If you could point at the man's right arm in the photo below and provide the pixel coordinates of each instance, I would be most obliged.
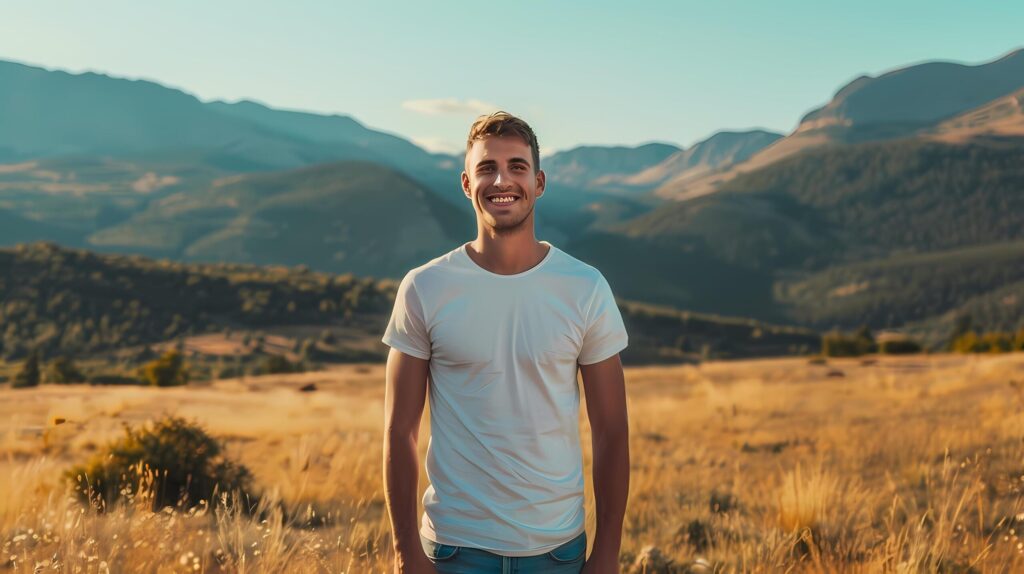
(404, 397)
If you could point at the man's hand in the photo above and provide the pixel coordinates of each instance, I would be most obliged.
(605, 389)
(414, 563)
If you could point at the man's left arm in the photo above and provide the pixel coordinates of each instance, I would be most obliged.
(604, 386)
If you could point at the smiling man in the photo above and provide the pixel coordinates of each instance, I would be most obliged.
(494, 333)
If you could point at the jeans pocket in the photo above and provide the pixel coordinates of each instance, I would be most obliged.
(572, 551)
(438, 552)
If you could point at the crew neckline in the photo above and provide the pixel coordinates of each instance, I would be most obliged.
(465, 253)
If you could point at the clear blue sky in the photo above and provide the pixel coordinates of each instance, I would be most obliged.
(586, 72)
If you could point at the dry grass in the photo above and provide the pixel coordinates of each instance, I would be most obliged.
(900, 465)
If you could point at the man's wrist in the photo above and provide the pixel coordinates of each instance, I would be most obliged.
(408, 544)
(604, 552)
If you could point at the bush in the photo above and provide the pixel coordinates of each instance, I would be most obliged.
(997, 342)
(836, 344)
(173, 460)
(29, 374)
(115, 379)
(167, 371)
(277, 364)
(971, 342)
(899, 347)
(64, 371)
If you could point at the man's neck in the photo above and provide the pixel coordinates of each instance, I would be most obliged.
(507, 254)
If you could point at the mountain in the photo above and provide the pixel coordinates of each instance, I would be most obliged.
(332, 130)
(54, 113)
(881, 232)
(588, 167)
(905, 102)
(722, 148)
(351, 217)
(1001, 117)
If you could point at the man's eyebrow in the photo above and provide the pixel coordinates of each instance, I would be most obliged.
(486, 163)
(519, 160)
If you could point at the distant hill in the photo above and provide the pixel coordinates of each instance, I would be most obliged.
(722, 148)
(79, 303)
(73, 301)
(589, 166)
(1001, 117)
(907, 101)
(54, 113)
(883, 233)
(352, 217)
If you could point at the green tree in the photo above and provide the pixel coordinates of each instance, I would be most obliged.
(29, 374)
(63, 371)
(167, 371)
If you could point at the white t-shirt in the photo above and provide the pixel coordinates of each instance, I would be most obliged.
(504, 459)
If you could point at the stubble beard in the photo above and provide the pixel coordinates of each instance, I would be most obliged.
(505, 229)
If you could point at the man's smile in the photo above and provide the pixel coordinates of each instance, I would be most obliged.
(502, 199)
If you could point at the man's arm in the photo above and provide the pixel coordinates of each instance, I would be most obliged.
(404, 397)
(605, 388)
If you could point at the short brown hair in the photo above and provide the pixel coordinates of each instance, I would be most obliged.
(503, 124)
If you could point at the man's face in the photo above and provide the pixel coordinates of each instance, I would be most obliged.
(501, 182)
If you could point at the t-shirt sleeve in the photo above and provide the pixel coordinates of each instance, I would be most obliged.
(605, 333)
(407, 331)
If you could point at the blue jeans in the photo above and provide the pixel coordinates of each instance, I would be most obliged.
(567, 558)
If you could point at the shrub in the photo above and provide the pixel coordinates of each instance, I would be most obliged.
(836, 344)
(966, 343)
(115, 379)
(277, 364)
(167, 371)
(997, 342)
(173, 460)
(971, 342)
(899, 347)
(29, 374)
(64, 371)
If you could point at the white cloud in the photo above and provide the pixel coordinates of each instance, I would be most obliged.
(441, 106)
(438, 145)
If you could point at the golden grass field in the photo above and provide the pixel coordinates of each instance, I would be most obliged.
(888, 464)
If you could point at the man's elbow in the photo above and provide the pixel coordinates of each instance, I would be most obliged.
(611, 432)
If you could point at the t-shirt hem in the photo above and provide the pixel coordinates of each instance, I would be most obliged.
(433, 537)
(405, 349)
(604, 356)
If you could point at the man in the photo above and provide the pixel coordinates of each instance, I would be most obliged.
(499, 326)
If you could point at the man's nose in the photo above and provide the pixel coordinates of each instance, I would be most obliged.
(502, 181)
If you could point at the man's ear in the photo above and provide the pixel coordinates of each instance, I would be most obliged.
(541, 182)
(465, 185)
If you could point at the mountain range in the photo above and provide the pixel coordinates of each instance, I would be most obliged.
(897, 203)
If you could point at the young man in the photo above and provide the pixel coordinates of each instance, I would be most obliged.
(499, 326)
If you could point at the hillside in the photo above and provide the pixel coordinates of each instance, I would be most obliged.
(591, 167)
(54, 113)
(907, 101)
(79, 303)
(331, 217)
(785, 236)
(721, 149)
(74, 301)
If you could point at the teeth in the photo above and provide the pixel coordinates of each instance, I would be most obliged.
(502, 199)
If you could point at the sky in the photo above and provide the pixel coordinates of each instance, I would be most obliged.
(580, 72)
